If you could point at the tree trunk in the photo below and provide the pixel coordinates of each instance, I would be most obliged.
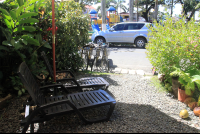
(103, 12)
(193, 11)
(172, 8)
(131, 10)
(156, 10)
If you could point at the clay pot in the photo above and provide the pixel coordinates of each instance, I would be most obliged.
(196, 111)
(181, 95)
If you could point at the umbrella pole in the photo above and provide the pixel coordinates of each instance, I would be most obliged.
(53, 41)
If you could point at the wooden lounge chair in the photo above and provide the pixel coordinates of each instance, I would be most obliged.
(48, 107)
(86, 82)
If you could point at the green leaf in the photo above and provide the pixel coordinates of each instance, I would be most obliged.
(187, 91)
(7, 23)
(20, 2)
(5, 12)
(26, 15)
(24, 41)
(13, 15)
(32, 1)
(12, 42)
(25, 37)
(7, 17)
(19, 92)
(195, 77)
(6, 43)
(18, 45)
(29, 20)
(25, 28)
(13, 5)
(47, 45)
(4, 48)
(33, 41)
(16, 88)
(30, 8)
(18, 12)
(23, 90)
(12, 23)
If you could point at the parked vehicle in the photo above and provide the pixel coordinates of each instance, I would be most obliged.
(125, 32)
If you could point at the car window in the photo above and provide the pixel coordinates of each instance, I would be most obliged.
(140, 26)
(118, 27)
(134, 26)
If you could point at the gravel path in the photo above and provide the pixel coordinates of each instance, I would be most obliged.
(140, 108)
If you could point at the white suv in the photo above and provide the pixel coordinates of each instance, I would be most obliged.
(125, 32)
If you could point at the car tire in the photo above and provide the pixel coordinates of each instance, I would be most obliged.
(140, 42)
(100, 40)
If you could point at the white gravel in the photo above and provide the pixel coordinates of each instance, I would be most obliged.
(140, 108)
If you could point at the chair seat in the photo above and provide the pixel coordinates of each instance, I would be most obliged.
(88, 82)
(82, 100)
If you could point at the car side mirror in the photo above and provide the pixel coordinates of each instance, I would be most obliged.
(111, 29)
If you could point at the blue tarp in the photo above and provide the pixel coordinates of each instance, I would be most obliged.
(93, 11)
(111, 8)
(95, 27)
(107, 27)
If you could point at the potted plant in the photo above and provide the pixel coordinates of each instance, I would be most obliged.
(188, 80)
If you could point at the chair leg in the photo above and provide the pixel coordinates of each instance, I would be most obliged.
(29, 119)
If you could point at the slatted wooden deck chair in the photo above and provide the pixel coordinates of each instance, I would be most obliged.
(48, 107)
(86, 82)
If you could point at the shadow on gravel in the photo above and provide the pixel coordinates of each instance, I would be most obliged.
(126, 118)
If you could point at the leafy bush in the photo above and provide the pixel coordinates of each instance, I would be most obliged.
(72, 34)
(187, 79)
(174, 43)
(22, 41)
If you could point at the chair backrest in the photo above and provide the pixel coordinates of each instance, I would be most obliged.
(46, 61)
(30, 84)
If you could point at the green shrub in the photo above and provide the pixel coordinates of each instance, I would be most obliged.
(72, 34)
(21, 40)
(174, 43)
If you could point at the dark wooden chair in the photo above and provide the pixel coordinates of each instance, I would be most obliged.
(86, 82)
(49, 107)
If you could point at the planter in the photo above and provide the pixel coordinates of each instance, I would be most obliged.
(181, 95)
(175, 86)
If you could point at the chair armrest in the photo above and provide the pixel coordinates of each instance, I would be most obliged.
(52, 86)
(63, 71)
(58, 103)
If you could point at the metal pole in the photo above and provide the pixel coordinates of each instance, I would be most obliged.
(103, 12)
(53, 40)
(131, 10)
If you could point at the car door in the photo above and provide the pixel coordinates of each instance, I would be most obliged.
(116, 35)
(130, 32)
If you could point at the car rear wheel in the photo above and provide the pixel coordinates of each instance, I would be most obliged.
(100, 40)
(140, 42)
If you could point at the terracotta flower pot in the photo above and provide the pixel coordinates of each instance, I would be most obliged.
(181, 95)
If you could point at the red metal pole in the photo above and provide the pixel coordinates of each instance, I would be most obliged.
(53, 40)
